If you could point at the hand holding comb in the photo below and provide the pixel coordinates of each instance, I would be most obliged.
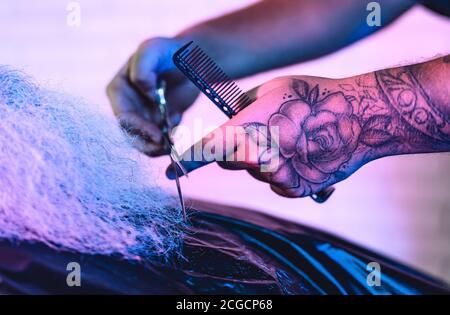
(198, 67)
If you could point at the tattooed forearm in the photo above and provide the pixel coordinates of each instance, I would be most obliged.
(396, 109)
(330, 128)
(421, 117)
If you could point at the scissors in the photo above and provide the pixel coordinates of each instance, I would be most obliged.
(168, 143)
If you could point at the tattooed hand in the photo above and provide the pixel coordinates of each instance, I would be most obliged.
(313, 132)
(317, 135)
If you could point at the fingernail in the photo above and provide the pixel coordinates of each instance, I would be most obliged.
(175, 119)
(170, 172)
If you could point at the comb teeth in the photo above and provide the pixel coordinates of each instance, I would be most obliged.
(210, 79)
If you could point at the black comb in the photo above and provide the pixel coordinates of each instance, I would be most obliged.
(210, 79)
(220, 89)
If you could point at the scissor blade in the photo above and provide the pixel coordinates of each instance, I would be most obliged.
(176, 157)
(180, 193)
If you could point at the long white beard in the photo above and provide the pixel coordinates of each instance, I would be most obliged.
(70, 178)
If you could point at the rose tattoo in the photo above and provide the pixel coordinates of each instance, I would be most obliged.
(317, 136)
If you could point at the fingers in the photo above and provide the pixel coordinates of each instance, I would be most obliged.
(233, 147)
(228, 145)
(237, 144)
(132, 95)
(135, 113)
(135, 125)
(196, 157)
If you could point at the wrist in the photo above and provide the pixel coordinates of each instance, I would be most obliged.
(378, 124)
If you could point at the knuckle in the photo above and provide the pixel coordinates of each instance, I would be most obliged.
(111, 88)
(144, 45)
(141, 80)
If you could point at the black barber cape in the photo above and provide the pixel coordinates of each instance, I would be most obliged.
(227, 251)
